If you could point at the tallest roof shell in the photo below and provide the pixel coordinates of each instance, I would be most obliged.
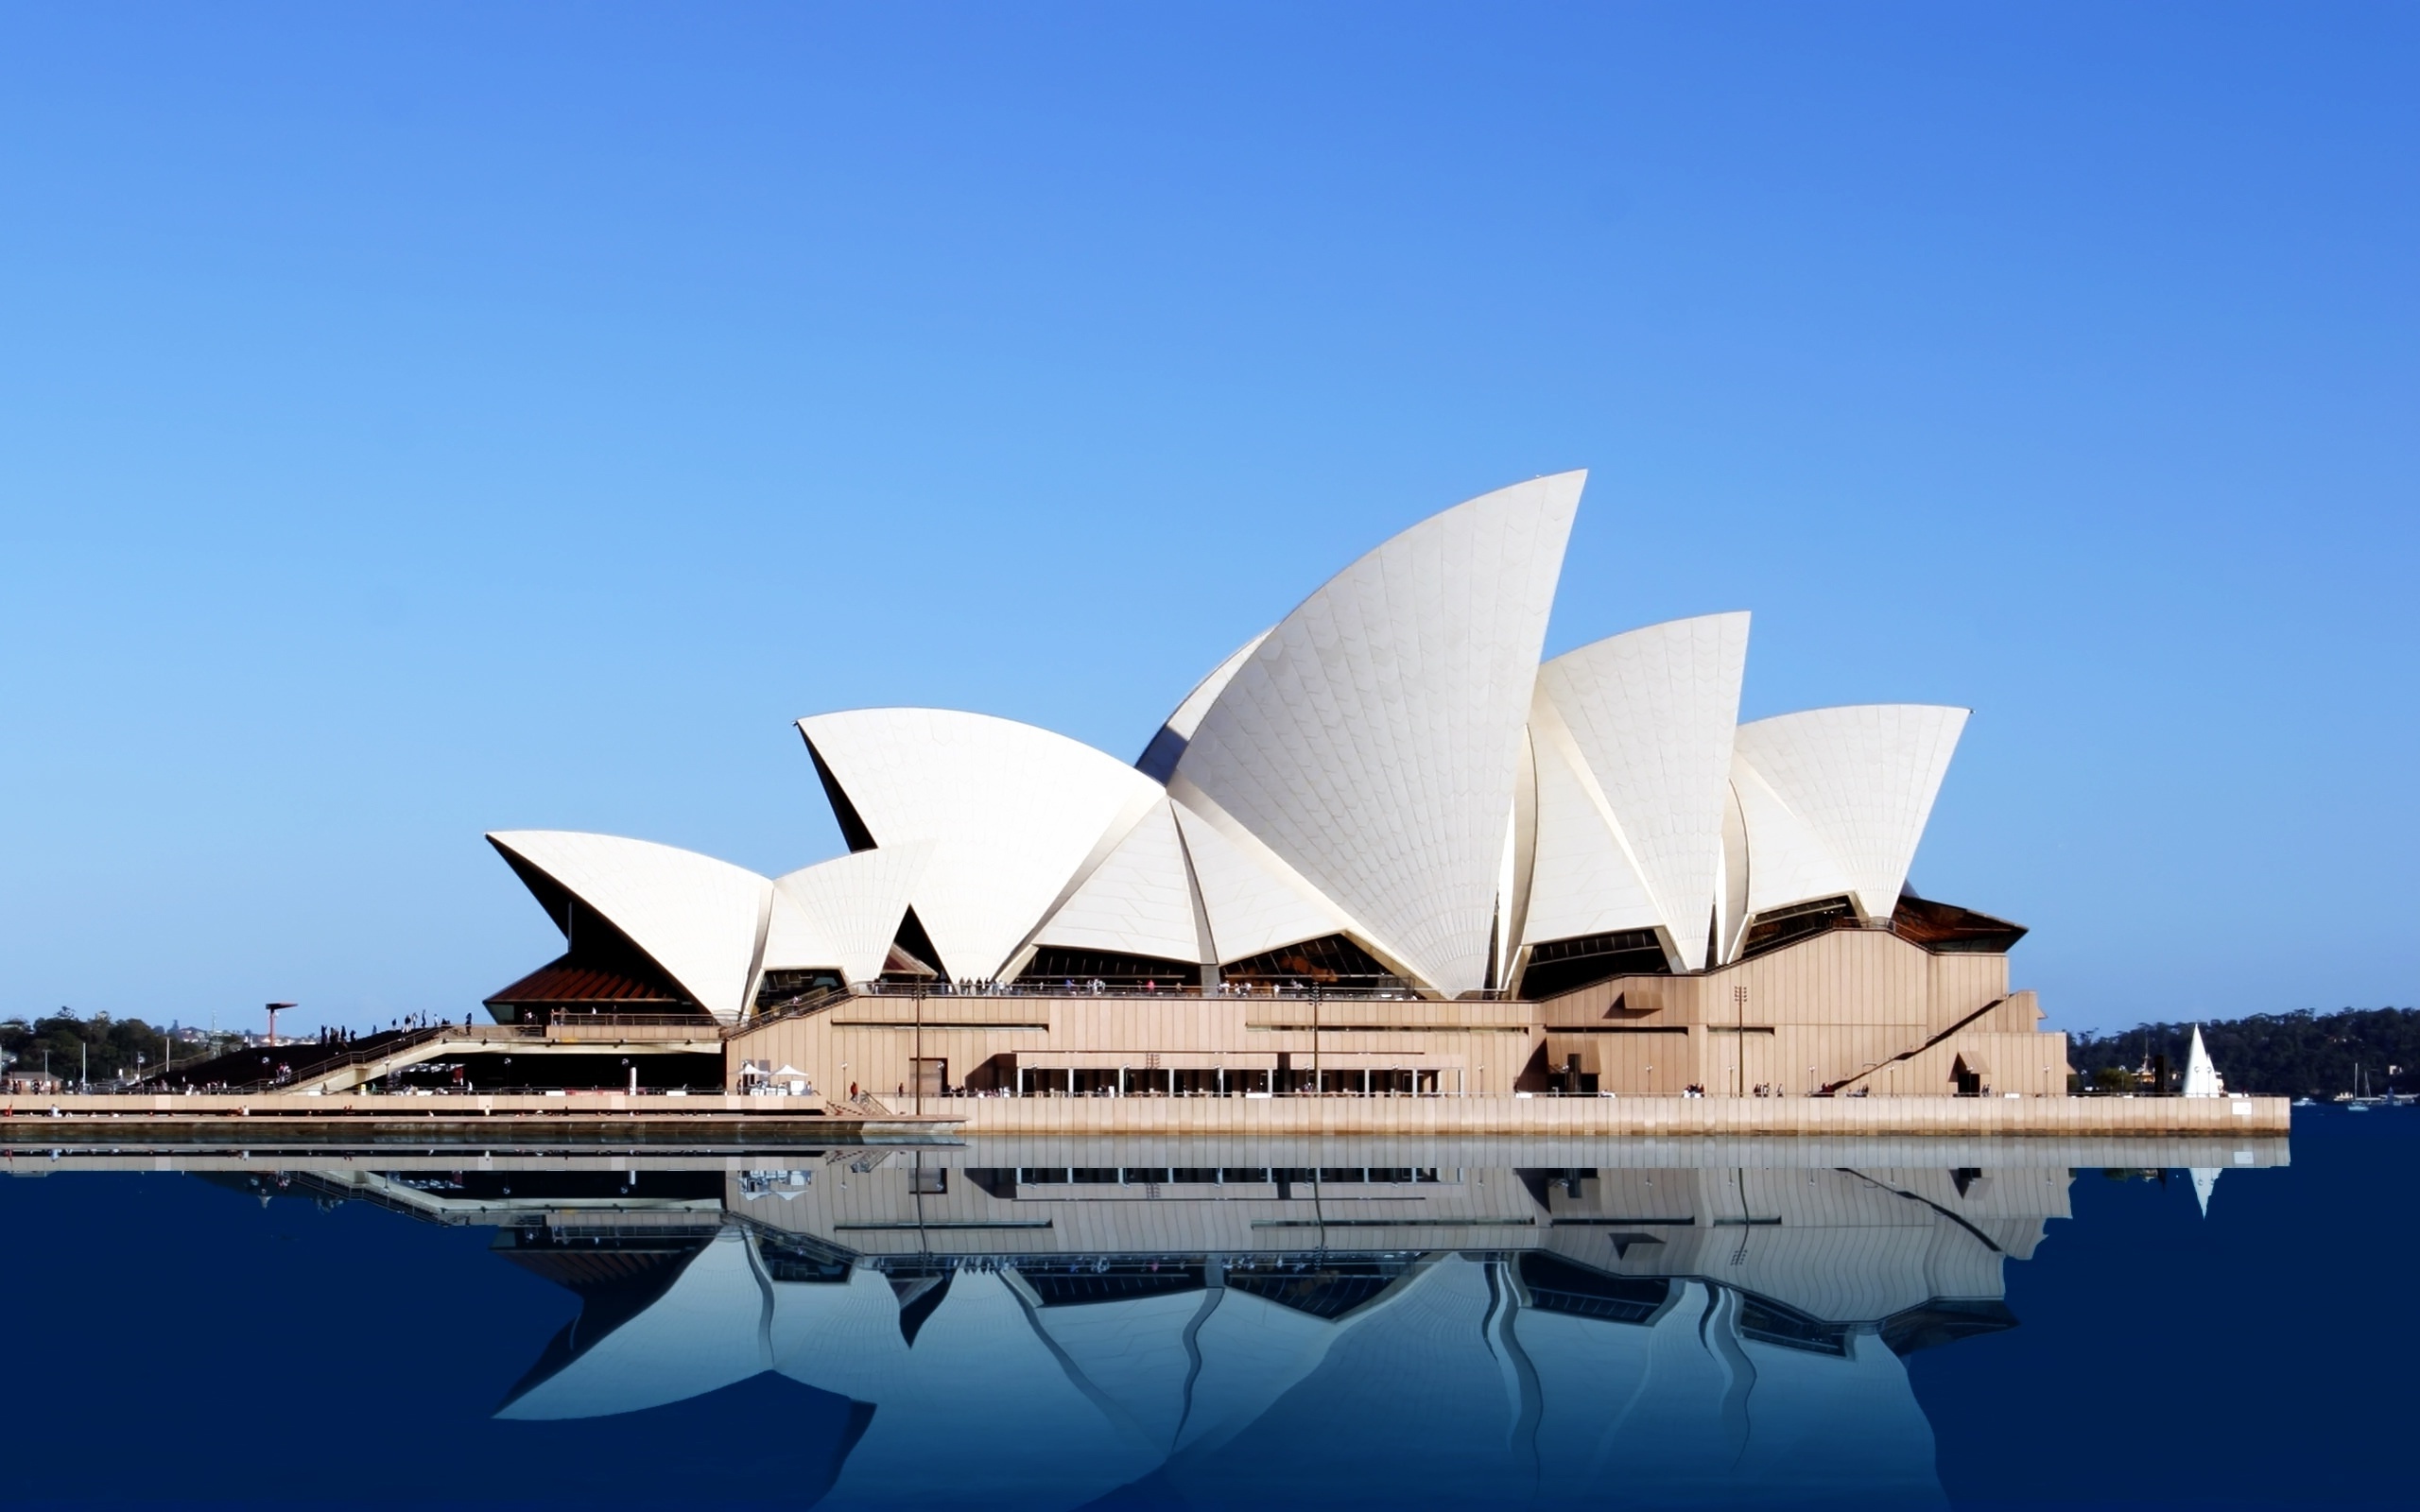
(1371, 740)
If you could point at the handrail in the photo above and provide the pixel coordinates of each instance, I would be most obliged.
(814, 999)
(559, 1019)
(333, 1059)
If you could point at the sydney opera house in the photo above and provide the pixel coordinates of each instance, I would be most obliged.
(1381, 848)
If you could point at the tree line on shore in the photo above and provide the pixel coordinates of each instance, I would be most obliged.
(2302, 1054)
(100, 1047)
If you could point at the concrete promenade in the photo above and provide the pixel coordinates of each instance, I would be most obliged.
(619, 1118)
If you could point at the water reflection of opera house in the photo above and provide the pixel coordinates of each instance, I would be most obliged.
(1052, 1322)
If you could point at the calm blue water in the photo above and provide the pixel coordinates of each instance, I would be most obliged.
(1095, 1325)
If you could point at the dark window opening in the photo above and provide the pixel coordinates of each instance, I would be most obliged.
(1079, 1284)
(1324, 1290)
(912, 957)
(1770, 1322)
(534, 1068)
(1159, 759)
(1556, 1285)
(1330, 961)
(1054, 964)
(1944, 1322)
(919, 1297)
(844, 814)
(600, 971)
(801, 1260)
(1561, 965)
(779, 989)
(1777, 927)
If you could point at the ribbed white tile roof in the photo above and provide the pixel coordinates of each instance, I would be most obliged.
(1188, 717)
(845, 911)
(1862, 779)
(1139, 902)
(1583, 881)
(1787, 864)
(1012, 813)
(1250, 902)
(1651, 711)
(1389, 762)
(697, 917)
(1370, 741)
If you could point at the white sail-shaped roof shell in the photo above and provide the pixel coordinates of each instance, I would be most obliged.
(697, 917)
(1370, 741)
(1787, 864)
(1651, 711)
(845, 911)
(1159, 758)
(1250, 899)
(1582, 878)
(1014, 813)
(1139, 902)
(1862, 780)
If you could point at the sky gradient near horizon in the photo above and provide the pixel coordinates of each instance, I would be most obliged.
(423, 420)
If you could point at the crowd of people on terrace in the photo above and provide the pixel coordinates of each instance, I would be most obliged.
(968, 986)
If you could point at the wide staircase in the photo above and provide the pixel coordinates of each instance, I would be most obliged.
(312, 1066)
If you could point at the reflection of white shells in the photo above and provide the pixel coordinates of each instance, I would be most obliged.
(1447, 1384)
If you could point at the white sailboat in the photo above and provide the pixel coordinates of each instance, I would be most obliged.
(2202, 1078)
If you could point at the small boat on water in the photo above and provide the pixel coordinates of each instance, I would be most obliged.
(2359, 1101)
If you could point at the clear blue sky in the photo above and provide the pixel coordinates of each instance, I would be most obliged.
(422, 419)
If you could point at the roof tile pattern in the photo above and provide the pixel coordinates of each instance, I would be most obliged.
(1787, 864)
(1251, 906)
(694, 917)
(845, 911)
(1581, 880)
(1651, 711)
(1862, 779)
(1370, 741)
(1012, 813)
(1139, 902)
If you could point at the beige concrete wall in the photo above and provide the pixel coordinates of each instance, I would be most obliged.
(1814, 1014)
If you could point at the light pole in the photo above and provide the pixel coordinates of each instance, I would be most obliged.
(274, 1009)
(1319, 1084)
(1739, 1039)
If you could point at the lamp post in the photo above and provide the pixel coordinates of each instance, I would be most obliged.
(274, 1009)
(1739, 1041)
(1318, 1082)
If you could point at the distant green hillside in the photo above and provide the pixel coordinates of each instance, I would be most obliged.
(2293, 1055)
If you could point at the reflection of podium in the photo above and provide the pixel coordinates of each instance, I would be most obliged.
(1707, 1321)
